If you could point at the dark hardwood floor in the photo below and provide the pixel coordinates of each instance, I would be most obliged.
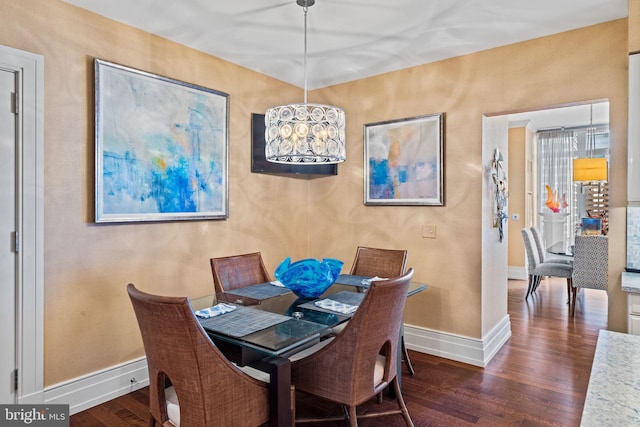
(538, 378)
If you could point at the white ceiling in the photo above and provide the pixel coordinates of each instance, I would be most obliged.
(351, 39)
(567, 117)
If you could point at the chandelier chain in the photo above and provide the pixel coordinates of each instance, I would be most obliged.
(306, 9)
(591, 134)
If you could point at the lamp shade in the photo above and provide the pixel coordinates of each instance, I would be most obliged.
(590, 169)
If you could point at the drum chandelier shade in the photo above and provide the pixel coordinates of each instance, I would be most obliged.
(305, 133)
(590, 168)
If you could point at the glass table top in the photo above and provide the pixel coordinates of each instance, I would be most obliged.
(301, 323)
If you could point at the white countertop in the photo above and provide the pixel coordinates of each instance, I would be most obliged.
(613, 395)
(631, 282)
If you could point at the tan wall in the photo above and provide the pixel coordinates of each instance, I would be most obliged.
(634, 26)
(517, 193)
(89, 324)
(576, 66)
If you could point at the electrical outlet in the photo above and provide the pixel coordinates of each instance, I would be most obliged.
(429, 231)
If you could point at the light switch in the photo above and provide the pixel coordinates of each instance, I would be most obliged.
(429, 231)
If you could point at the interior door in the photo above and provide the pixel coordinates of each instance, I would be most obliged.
(8, 228)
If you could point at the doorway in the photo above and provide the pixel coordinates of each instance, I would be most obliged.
(8, 255)
(527, 183)
(21, 225)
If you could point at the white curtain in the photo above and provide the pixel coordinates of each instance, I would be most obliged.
(556, 192)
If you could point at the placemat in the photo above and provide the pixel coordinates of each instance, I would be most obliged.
(288, 333)
(345, 297)
(260, 291)
(351, 279)
(242, 321)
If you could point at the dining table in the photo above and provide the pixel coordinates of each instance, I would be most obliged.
(268, 324)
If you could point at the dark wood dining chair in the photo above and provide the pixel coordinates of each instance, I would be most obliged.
(361, 361)
(205, 388)
(238, 271)
(383, 263)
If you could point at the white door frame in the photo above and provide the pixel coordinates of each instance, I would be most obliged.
(29, 68)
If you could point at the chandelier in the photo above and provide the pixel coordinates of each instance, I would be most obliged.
(305, 133)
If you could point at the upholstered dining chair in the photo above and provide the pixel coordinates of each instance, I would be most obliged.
(361, 361)
(590, 265)
(536, 269)
(238, 271)
(383, 263)
(542, 251)
(205, 388)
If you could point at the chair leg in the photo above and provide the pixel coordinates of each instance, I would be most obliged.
(529, 286)
(152, 421)
(293, 405)
(573, 303)
(405, 355)
(537, 281)
(401, 404)
(353, 418)
(345, 412)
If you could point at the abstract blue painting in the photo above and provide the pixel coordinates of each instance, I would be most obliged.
(404, 161)
(161, 147)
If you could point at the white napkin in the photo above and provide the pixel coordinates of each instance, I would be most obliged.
(336, 306)
(367, 282)
(216, 310)
(277, 283)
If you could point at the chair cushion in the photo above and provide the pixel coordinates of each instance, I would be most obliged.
(255, 373)
(338, 328)
(310, 350)
(559, 259)
(553, 269)
(173, 408)
(378, 371)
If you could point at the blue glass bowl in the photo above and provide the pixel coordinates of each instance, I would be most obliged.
(308, 278)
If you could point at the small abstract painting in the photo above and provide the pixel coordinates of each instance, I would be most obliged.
(161, 147)
(404, 161)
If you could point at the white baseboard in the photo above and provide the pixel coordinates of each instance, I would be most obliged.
(477, 352)
(517, 273)
(99, 387)
(35, 398)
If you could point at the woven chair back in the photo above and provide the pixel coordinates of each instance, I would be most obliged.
(343, 370)
(210, 390)
(238, 271)
(386, 263)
